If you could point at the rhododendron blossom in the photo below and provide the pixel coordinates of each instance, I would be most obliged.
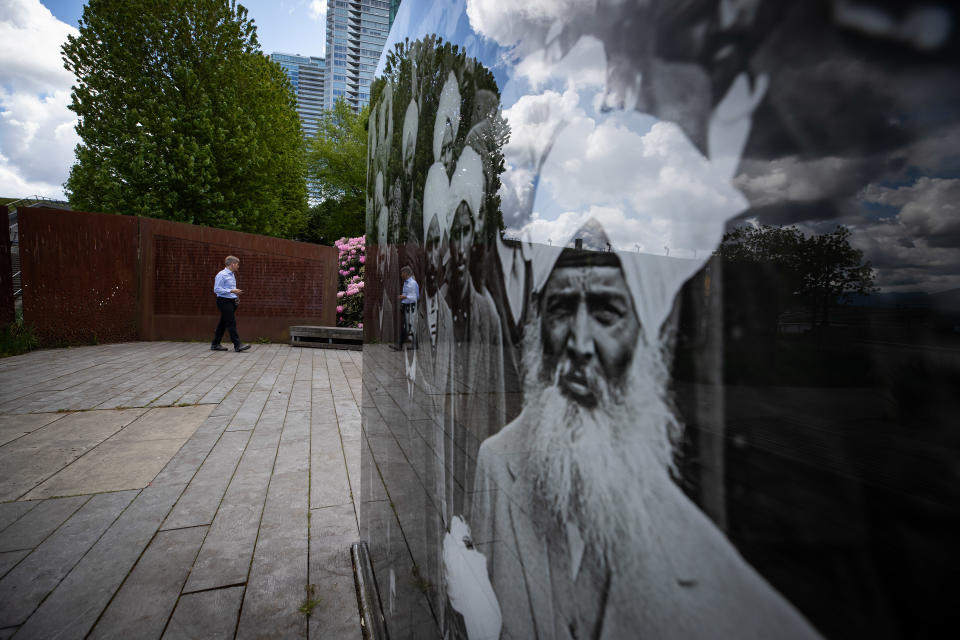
(350, 283)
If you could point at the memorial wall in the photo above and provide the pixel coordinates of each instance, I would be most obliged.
(684, 356)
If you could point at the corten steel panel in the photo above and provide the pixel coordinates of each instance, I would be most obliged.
(79, 275)
(284, 282)
(6, 273)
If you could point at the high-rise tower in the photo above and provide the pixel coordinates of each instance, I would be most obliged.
(306, 74)
(356, 33)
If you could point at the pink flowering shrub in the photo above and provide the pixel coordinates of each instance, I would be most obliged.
(350, 288)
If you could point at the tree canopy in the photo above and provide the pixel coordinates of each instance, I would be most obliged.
(337, 173)
(182, 118)
(818, 271)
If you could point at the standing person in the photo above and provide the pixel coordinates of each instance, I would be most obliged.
(225, 288)
(408, 305)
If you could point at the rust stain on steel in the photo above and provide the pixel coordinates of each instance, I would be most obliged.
(114, 278)
(6, 273)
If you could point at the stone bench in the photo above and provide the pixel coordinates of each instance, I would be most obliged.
(327, 337)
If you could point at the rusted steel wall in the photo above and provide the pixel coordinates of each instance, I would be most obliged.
(91, 276)
(284, 283)
(79, 275)
(6, 273)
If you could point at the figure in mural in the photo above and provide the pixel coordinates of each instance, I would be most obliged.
(408, 308)
(477, 355)
(585, 532)
(225, 288)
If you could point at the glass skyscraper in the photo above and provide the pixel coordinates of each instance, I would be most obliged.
(356, 33)
(306, 74)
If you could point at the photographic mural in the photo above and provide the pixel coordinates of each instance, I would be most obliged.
(686, 348)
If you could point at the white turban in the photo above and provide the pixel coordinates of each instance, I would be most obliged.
(448, 110)
(653, 280)
(466, 185)
(410, 124)
(436, 192)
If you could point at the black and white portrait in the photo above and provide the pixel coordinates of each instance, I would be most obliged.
(645, 399)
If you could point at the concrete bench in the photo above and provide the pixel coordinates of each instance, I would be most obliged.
(327, 337)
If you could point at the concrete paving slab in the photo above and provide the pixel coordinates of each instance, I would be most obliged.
(74, 606)
(225, 556)
(148, 596)
(202, 497)
(10, 512)
(28, 461)
(332, 531)
(279, 574)
(232, 401)
(279, 571)
(184, 465)
(172, 423)
(40, 522)
(249, 412)
(13, 427)
(129, 459)
(9, 559)
(23, 588)
(331, 486)
(211, 615)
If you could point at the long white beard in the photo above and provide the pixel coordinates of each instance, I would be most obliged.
(600, 468)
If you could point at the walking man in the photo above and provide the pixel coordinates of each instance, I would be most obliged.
(408, 306)
(225, 288)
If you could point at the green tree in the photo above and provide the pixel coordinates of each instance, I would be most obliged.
(337, 174)
(819, 271)
(182, 118)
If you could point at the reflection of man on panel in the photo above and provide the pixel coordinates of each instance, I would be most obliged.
(585, 533)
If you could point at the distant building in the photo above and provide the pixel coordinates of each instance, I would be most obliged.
(356, 33)
(306, 74)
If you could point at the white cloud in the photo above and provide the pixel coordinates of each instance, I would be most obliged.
(643, 180)
(30, 41)
(916, 248)
(509, 22)
(318, 10)
(583, 67)
(929, 208)
(36, 128)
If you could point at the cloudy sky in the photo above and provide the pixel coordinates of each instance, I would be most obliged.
(37, 138)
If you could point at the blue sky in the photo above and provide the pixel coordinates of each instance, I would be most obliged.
(290, 26)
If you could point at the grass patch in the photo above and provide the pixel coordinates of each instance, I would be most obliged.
(263, 340)
(310, 602)
(16, 338)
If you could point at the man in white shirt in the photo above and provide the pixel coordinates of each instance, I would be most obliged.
(225, 288)
(408, 305)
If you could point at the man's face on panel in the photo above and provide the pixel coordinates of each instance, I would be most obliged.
(589, 330)
(461, 240)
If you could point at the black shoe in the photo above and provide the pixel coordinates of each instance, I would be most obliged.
(241, 347)
(218, 347)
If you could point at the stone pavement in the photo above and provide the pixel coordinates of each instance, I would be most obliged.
(162, 490)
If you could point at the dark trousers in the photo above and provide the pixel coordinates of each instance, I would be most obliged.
(408, 314)
(228, 321)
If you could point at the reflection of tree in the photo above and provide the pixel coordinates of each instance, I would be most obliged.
(817, 271)
(336, 163)
(417, 71)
